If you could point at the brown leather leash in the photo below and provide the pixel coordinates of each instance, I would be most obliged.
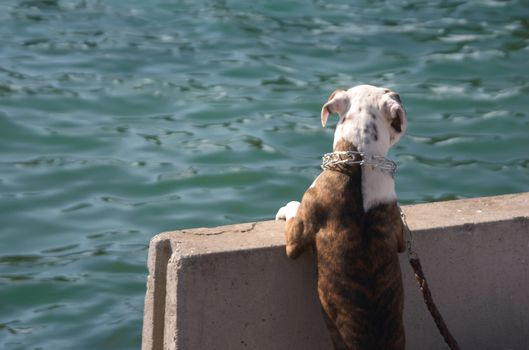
(425, 289)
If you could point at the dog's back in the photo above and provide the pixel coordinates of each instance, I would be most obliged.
(359, 278)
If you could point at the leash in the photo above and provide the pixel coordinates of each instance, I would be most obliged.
(425, 289)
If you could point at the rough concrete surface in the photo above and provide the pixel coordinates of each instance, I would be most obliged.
(232, 287)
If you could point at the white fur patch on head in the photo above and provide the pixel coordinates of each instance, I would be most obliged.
(374, 121)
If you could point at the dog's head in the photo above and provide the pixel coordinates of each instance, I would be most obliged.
(371, 118)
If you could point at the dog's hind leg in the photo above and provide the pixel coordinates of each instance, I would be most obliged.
(336, 337)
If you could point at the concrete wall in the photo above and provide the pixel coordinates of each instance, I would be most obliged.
(232, 287)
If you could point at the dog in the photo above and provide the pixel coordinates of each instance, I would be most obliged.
(352, 220)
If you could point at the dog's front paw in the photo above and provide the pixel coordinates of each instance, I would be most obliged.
(281, 214)
(288, 211)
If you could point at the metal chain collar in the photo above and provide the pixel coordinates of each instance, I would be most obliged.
(340, 161)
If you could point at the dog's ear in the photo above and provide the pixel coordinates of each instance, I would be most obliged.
(398, 119)
(397, 116)
(338, 102)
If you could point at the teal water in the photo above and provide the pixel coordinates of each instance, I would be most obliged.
(122, 119)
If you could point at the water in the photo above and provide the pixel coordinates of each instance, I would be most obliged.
(122, 119)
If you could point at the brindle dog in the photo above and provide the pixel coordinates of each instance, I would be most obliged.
(353, 222)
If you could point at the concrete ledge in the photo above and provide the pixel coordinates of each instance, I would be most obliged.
(232, 287)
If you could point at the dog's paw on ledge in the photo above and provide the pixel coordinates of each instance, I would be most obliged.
(288, 211)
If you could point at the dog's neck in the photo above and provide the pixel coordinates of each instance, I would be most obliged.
(378, 186)
(352, 168)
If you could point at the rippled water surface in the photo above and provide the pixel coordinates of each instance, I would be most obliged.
(121, 119)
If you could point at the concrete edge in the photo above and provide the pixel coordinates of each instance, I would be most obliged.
(172, 250)
(154, 310)
(420, 217)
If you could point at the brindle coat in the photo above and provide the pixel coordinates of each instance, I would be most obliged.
(359, 277)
